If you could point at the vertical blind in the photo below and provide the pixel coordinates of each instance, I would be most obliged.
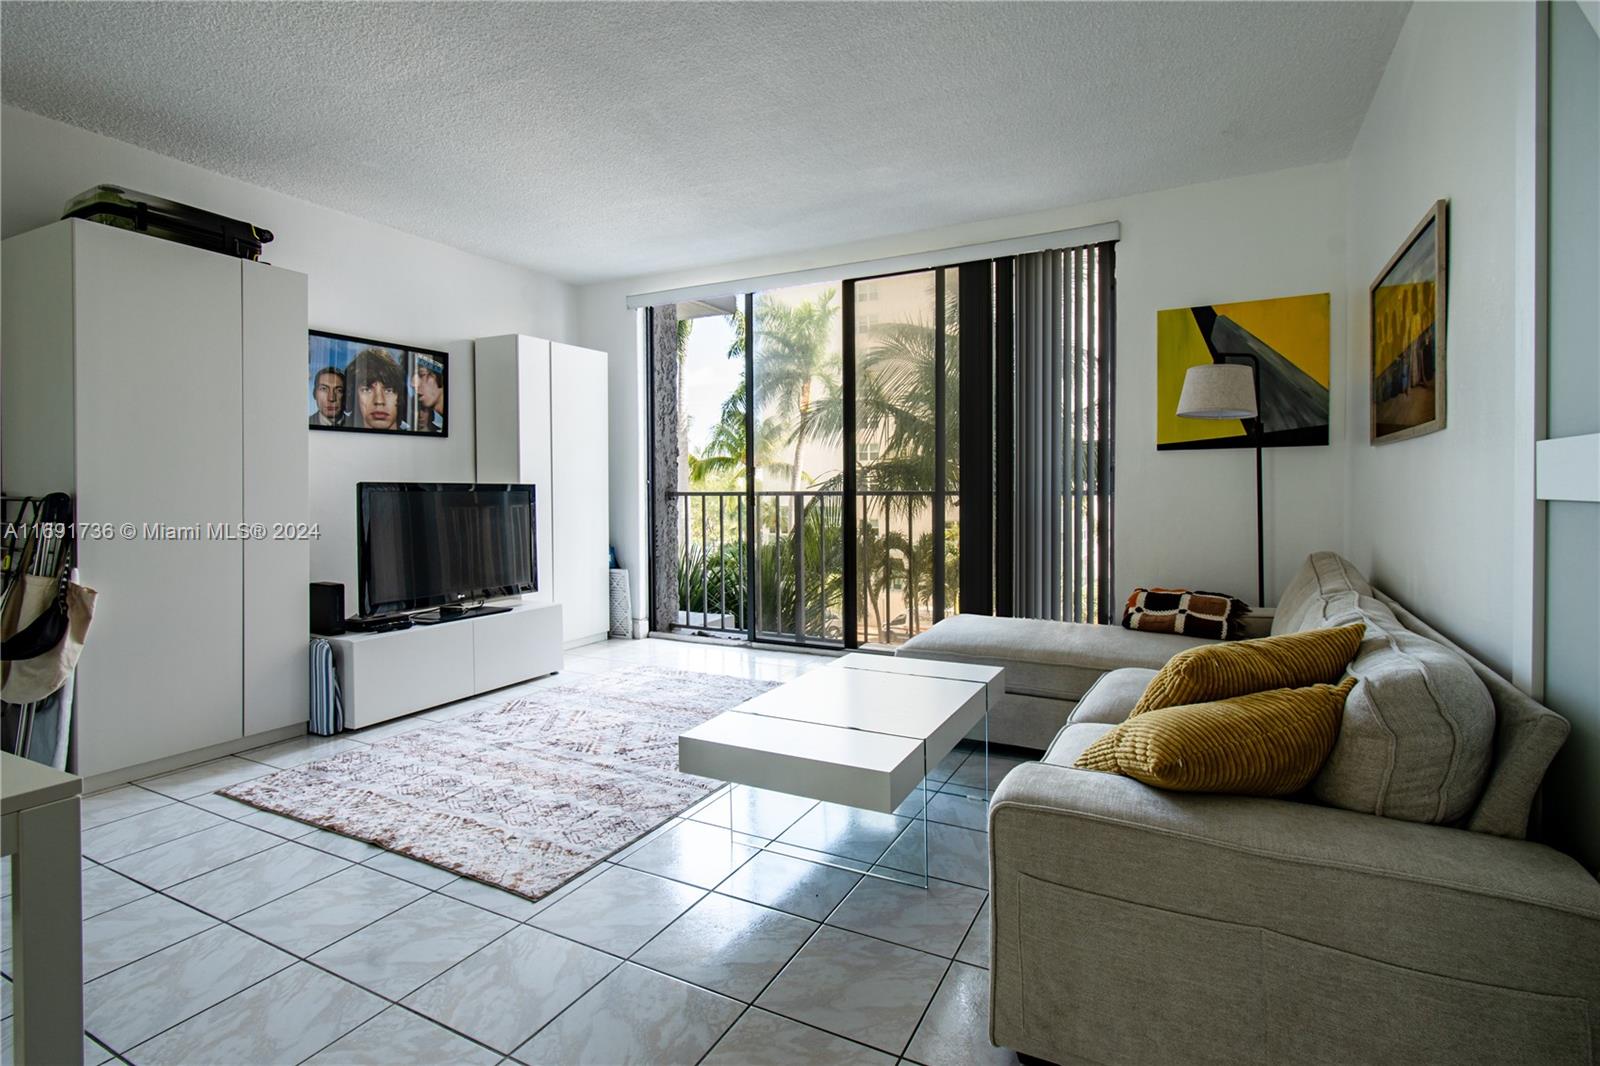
(1063, 406)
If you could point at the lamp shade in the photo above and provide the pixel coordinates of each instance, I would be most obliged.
(1218, 390)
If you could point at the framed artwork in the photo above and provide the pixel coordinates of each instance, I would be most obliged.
(1408, 319)
(1290, 339)
(358, 385)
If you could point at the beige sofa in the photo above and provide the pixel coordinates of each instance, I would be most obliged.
(1395, 913)
(1049, 665)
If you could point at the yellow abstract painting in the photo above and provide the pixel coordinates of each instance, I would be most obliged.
(1289, 339)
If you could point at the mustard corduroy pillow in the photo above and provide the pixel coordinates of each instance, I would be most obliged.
(1223, 671)
(1264, 744)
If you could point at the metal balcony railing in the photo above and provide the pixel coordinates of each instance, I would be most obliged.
(778, 574)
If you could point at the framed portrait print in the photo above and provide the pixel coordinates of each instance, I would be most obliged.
(359, 385)
(1408, 333)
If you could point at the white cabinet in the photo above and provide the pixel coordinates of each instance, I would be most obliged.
(161, 386)
(511, 377)
(542, 420)
(276, 490)
(386, 675)
(580, 471)
(512, 647)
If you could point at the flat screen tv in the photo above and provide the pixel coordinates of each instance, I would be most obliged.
(421, 545)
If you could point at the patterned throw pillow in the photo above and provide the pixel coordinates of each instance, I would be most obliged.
(1194, 614)
(1224, 671)
(1264, 744)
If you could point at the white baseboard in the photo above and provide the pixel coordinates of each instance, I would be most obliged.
(112, 778)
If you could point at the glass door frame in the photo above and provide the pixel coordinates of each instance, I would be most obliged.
(752, 584)
(980, 361)
(980, 358)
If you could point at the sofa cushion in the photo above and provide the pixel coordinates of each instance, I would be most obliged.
(1327, 585)
(1417, 731)
(1113, 697)
(1073, 741)
(1222, 671)
(1527, 736)
(1059, 660)
(1263, 744)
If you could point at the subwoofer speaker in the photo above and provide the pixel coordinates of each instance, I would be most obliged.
(327, 608)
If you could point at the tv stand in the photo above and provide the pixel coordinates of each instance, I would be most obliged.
(450, 613)
(386, 675)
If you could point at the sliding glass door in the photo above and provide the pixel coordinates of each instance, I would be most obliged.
(906, 485)
(847, 464)
(797, 465)
(810, 504)
(701, 517)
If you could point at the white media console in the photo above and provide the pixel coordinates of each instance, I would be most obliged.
(386, 675)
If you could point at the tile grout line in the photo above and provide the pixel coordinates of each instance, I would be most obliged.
(229, 923)
(172, 801)
(824, 923)
(400, 1001)
(618, 860)
(321, 967)
(395, 1002)
(640, 845)
(939, 985)
(820, 926)
(787, 963)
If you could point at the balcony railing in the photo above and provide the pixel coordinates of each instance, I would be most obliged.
(794, 543)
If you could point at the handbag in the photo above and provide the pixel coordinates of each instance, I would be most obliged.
(43, 622)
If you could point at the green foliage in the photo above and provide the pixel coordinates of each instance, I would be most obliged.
(801, 397)
(703, 575)
(702, 572)
(820, 547)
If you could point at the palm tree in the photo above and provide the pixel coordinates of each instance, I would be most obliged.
(876, 570)
(822, 588)
(919, 577)
(794, 361)
(896, 403)
(799, 387)
(721, 463)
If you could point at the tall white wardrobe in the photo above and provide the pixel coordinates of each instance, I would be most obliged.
(164, 386)
(542, 420)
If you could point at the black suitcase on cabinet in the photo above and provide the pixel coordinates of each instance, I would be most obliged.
(168, 220)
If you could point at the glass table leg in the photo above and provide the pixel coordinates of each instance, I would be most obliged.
(927, 871)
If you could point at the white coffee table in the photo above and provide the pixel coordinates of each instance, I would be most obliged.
(863, 732)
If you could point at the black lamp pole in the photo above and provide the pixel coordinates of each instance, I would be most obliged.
(1257, 434)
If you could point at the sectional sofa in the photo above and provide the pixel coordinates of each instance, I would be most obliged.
(1050, 666)
(1393, 913)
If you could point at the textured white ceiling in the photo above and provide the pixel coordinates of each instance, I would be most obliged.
(599, 140)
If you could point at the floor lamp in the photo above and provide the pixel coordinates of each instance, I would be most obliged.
(1226, 391)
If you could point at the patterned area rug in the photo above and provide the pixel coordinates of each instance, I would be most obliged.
(525, 796)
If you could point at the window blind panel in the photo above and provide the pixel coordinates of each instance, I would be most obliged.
(1062, 527)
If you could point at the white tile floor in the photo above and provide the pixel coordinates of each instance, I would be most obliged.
(216, 933)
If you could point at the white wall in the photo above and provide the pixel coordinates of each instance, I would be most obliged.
(604, 323)
(364, 279)
(1434, 520)
(1183, 518)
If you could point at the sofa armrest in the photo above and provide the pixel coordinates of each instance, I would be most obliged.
(1258, 623)
(1111, 891)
